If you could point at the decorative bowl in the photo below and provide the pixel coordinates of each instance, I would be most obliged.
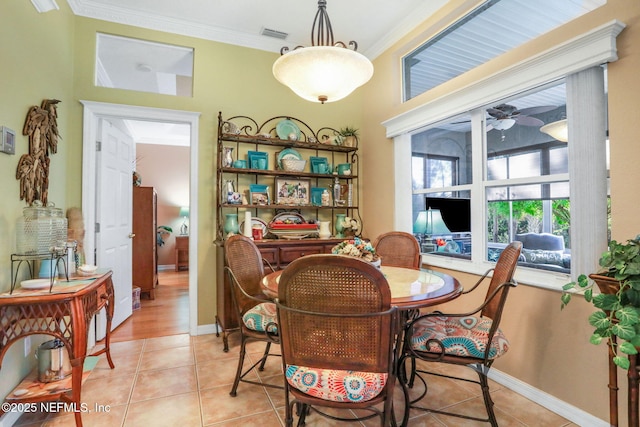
(293, 165)
(86, 269)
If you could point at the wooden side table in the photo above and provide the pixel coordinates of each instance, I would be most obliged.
(182, 252)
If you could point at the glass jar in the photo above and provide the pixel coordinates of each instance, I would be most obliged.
(32, 230)
(58, 227)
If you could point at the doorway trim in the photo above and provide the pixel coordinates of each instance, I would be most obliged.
(93, 111)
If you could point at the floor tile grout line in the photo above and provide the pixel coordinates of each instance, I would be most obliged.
(133, 386)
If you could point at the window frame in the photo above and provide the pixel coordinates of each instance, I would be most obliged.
(590, 49)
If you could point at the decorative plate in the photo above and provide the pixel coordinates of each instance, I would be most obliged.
(288, 153)
(286, 127)
(254, 221)
(36, 283)
(295, 218)
(294, 236)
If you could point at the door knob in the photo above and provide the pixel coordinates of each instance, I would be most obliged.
(132, 235)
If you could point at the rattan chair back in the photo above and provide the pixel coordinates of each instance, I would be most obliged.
(502, 273)
(245, 262)
(328, 311)
(246, 269)
(398, 249)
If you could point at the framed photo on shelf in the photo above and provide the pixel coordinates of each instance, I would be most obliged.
(259, 198)
(292, 191)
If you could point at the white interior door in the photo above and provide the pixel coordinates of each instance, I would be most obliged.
(114, 216)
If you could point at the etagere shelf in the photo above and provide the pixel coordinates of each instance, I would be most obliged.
(241, 134)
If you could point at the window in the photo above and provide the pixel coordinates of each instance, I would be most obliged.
(493, 28)
(132, 64)
(586, 120)
(441, 172)
(525, 186)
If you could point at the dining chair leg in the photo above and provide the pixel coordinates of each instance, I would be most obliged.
(486, 395)
(303, 410)
(264, 356)
(236, 381)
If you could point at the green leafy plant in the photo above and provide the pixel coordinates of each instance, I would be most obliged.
(160, 231)
(619, 312)
(348, 131)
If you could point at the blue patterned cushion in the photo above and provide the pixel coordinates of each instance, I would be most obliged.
(461, 336)
(336, 385)
(260, 316)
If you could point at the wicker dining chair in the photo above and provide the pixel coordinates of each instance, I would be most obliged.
(398, 249)
(337, 330)
(471, 339)
(256, 315)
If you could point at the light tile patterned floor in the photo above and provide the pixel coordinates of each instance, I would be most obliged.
(184, 381)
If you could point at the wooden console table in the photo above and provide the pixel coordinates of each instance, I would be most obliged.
(64, 313)
(182, 252)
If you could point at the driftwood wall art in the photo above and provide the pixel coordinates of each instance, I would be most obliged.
(33, 169)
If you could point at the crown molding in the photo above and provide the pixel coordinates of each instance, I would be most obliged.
(43, 6)
(126, 16)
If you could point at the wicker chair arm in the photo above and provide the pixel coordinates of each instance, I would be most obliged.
(237, 284)
(264, 261)
(469, 313)
(480, 280)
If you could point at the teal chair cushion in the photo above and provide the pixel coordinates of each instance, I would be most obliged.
(260, 316)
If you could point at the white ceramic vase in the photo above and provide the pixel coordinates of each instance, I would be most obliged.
(325, 231)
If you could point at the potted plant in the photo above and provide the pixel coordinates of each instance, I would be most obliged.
(618, 302)
(350, 136)
(160, 232)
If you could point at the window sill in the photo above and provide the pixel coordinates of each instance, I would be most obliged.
(538, 278)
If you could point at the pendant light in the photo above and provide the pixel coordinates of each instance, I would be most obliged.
(557, 130)
(325, 71)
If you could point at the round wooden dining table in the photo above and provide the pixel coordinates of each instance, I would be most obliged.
(410, 289)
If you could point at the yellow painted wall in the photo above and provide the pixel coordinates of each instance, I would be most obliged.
(39, 67)
(550, 349)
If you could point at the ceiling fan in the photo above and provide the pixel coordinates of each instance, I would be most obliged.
(504, 116)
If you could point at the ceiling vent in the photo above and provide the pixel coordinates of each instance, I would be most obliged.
(273, 33)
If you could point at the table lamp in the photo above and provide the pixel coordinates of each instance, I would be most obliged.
(184, 213)
(428, 224)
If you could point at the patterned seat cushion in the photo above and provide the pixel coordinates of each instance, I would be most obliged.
(260, 316)
(336, 385)
(461, 336)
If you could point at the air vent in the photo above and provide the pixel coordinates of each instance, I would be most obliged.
(273, 33)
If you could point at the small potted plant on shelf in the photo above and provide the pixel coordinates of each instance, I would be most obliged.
(349, 136)
(618, 302)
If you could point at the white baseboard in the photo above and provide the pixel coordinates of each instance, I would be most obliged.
(171, 267)
(206, 329)
(553, 404)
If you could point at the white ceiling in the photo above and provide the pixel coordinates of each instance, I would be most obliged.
(373, 24)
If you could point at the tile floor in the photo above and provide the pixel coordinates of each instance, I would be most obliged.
(184, 381)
